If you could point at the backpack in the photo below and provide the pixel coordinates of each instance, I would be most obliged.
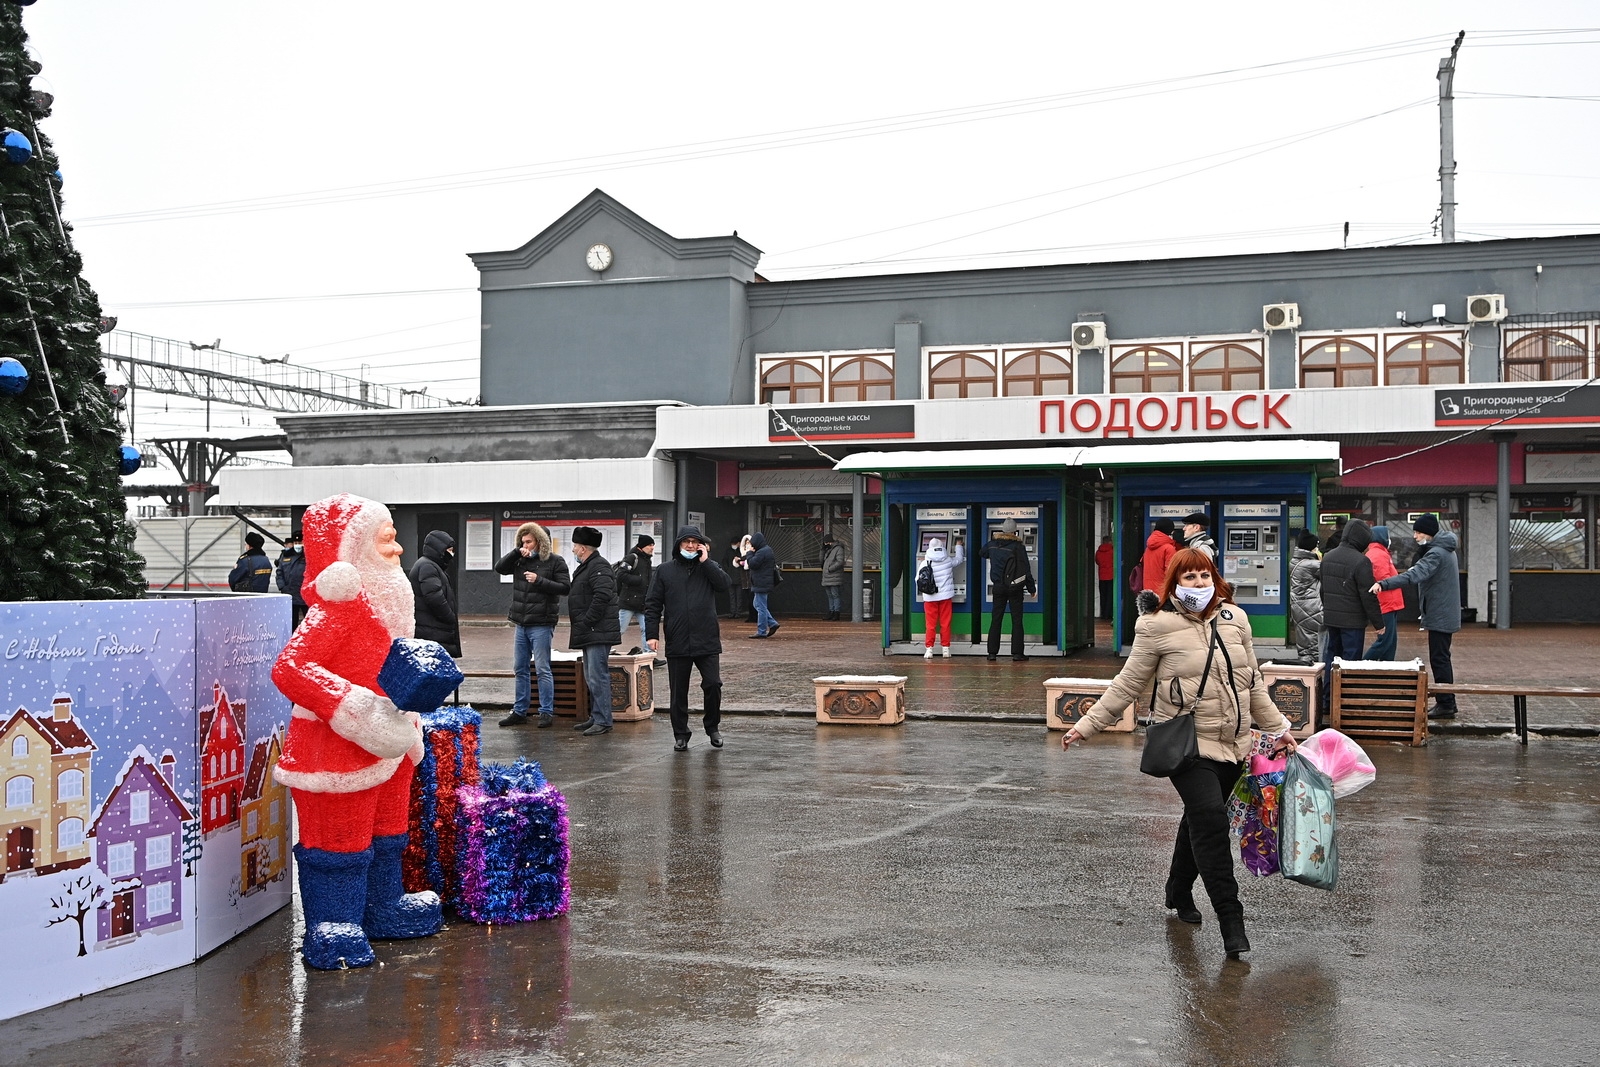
(621, 567)
(1013, 573)
(927, 584)
(1136, 578)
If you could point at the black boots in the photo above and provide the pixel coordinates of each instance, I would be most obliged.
(1234, 940)
(1183, 904)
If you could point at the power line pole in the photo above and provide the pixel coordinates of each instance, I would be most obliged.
(1447, 145)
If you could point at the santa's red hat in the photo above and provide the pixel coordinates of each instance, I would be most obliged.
(340, 537)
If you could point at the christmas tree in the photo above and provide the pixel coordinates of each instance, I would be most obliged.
(64, 533)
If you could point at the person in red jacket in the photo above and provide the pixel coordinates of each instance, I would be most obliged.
(350, 753)
(1159, 548)
(1390, 601)
(1105, 570)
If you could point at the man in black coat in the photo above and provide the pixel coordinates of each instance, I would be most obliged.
(633, 582)
(253, 571)
(685, 594)
(538, 582)
(433, 597)
(1348, 603)
(290, 573)
(592, 610)
(1012, 579)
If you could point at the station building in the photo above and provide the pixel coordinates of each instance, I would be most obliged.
(633, 380)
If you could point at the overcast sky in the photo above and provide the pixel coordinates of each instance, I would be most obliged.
(389, 140)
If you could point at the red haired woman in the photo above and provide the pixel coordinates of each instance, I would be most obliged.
(1194, 654)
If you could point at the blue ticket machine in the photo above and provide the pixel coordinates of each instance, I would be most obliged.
(1255, 561)
(1030, 522)
(952, 526)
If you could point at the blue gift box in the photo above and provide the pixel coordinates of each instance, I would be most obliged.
(417, 675)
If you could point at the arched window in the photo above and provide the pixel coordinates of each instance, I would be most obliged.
(1226, 368)
(961, 375)
(791, 382)
(69, 785)
(1424, 359)
(1039, 372)
(861, 378)
(19, 746)
(1546, 356)
(19, 792)
(69, 833)
(1147, 370)
(1338, 363)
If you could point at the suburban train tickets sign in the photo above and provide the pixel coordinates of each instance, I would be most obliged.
(1528, 405)
(867, 423)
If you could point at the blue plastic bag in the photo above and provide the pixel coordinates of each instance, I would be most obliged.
(1307, 851)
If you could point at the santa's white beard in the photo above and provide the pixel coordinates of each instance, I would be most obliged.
(389, 592)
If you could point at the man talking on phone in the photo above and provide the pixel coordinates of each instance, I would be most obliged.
(682, 602)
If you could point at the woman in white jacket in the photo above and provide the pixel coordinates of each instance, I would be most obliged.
(936, 607)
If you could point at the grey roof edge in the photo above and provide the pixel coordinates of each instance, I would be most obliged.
(1258, 267)
(610, 414)
(598, 201)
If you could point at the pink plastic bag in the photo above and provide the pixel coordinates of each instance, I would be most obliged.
(1341, 759)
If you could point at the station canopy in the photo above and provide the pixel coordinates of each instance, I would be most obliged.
(1174, 455)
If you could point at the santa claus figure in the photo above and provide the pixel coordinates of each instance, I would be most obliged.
(350, 752)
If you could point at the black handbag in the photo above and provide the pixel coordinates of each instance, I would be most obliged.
(1170, 747)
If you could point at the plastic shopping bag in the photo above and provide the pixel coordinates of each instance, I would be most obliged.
(1253, 810)
(1307, 850)
(1344, 762)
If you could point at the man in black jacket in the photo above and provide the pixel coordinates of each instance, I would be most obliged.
(432, 595)
(538, 582)
(291, 574)
(1348, 604)
(685, 592)
(592, 609)
(1012, 579)
(253, 571)
(633, 582)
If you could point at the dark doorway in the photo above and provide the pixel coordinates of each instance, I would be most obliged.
(122, 914)
(19, 849)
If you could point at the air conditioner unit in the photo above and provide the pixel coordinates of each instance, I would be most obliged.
(1088, 335)
(1486, 307)
(1280, 316)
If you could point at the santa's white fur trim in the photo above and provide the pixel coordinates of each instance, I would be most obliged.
(339, 582)
(337, 781)
(373, 722)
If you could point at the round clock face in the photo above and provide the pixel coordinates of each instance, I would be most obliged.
(598, 257)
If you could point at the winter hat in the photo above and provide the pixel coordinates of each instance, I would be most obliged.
(587, 535)
(339, 532)
(645, 541)
(1426, 524)
(254, 540)
(1200, 519)
(1009, 526)
(1308, 541)
(1164, 525)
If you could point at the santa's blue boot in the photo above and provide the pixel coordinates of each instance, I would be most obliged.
(333, 895)
(392, 913)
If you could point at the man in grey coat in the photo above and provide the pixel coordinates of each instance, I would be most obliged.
(832, 574)
(1437, 576)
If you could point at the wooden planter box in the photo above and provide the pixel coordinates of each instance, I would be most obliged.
(863, 700)
(572, 692)
(1295, 689)
(632, 686)
(1381, 701)
(1067, 699)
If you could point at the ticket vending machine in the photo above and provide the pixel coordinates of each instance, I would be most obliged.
(949, 525)
(1253, 558)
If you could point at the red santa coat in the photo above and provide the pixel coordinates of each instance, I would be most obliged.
(345, 735)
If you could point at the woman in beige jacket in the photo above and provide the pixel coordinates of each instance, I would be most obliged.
(1197, 625)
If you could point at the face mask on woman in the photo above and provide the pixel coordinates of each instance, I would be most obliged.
(1195, 598)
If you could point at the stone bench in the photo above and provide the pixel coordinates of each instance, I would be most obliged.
(861, 699)
(1066, 700)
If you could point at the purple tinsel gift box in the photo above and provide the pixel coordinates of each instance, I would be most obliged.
(417, 675)
(515, 857)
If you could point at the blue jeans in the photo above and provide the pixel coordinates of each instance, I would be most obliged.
(1342, 643)
(833, 598)
(624, 616)
(764, 620)
(1387, 642)
(597, 675)
(533, 645)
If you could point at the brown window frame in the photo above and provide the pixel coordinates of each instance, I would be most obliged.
(963, 381)
(1544, 360)
(1398, 343)
(1037, 380)
(1228, 372)
(1143, 376)
(768, 388)
(1339, 367)
(835, 386)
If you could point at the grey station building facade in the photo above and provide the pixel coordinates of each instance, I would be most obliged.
(633, 380)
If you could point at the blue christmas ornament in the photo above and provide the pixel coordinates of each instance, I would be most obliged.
(18, 148)
(131, 460)
(56, 174)
(13, 377)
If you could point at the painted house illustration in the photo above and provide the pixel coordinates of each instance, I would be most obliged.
(138, 839)
(264, 817)
(221, 761)
(45, 766)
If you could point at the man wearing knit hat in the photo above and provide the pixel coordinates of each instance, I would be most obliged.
(253, 572)
(592, 608)
(633, 582)
(1436, 573)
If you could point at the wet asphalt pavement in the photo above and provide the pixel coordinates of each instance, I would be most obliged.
(938, 893)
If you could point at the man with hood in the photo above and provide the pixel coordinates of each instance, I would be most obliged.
(763, 566)
(1390, 601)
(253, 571)
(538, 582)
(1012, 580)
(1305, 598)
(1159, 548)
(1437, 575)
(682, 603)
(832, 574)
(435, 596)
(1349, 599)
